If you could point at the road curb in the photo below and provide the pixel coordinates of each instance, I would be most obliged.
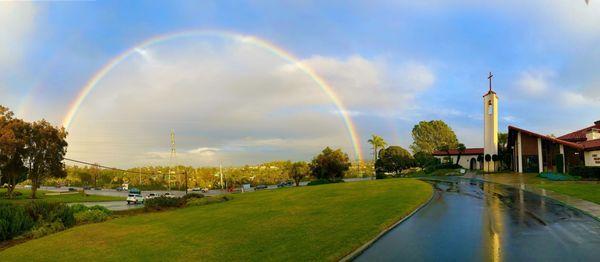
(365, 246)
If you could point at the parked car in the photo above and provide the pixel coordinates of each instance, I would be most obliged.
(72, 189)
(87, 187)
(135, 199)
(168, 194)
(204, 190)
(27, 187)
(286, 183)
(196, 189)
(119, 188)
(259, 187)
(152, 195)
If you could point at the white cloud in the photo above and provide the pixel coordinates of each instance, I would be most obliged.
(17, 20)
(534, 82)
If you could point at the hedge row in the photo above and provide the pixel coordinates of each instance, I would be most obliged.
(587, 172)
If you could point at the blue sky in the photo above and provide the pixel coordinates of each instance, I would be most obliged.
(393, 63)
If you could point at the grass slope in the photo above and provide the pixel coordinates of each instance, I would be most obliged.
(587, 191)
(309, 223)
(64, 198)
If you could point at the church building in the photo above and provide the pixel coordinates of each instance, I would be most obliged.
(530, 152)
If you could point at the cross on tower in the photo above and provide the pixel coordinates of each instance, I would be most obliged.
(490, 78)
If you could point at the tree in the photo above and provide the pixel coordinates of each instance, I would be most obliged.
(393, 159)
(428, 136)
(330, 164)
(480, 159)
(495, 158)
(298, 171)
(488, 158)
(46, 150)
(423, 159)
(12, 150)
(446, 148)
(461, 149)
(377, 142)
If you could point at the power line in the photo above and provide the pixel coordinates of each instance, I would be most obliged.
(106, 167)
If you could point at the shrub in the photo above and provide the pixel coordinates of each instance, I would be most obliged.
(162, 202)
(324, 181)
(45, 228)
(192, 195)
(41, 211)
(76, 208)
(557, 176)
(587, 172)
(102, 209)
(14, 220)
(15, 193)
(208, 200)
(91, 216)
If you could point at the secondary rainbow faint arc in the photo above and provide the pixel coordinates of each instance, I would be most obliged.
(85, 91)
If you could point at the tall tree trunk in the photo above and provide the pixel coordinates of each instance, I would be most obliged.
(34, 186)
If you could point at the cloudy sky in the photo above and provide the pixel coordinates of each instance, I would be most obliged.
(392, 63)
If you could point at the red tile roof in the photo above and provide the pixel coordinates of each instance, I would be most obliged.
(555, 140)
(591, 144)
(579, 135)
(468, 151)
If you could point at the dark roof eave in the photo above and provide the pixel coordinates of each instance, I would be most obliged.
(556, 140)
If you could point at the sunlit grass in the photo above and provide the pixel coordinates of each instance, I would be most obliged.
(53, 197)
(310, 223)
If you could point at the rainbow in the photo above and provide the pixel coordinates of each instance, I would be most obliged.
(261, 43)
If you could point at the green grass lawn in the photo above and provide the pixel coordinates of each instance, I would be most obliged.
(309, 223)
(64, 198)
(585, 191)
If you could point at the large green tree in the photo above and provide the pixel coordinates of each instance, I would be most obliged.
(393, 159)
(47, 147)
(428, 136)
(298, 171)
(13, 137)
(330, 164)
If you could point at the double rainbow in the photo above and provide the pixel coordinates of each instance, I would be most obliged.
(261, 43)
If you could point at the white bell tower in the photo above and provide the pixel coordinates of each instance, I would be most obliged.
(490, 127)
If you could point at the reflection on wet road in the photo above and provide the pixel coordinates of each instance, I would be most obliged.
(477, 221)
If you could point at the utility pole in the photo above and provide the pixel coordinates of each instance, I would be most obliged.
(186, 181)
(172, 157)
(221, 173)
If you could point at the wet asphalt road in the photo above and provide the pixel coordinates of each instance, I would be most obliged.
(477, 221)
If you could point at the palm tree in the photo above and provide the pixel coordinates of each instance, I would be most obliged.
(461, 149)
(377, 142)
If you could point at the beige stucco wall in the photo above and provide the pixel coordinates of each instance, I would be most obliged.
(465, 160)
(592, 158)
(490, 127)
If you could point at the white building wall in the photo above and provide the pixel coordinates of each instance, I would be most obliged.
(465, 160)
(592, 158)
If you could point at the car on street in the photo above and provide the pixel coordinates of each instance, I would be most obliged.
(196, 189)
(168, 194)
(27, 187)
(284, 184)
(152, 195)
(259, 187)
(87, 187)
(135, 199)
(119, 188)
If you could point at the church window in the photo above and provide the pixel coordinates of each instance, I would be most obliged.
(490, 108)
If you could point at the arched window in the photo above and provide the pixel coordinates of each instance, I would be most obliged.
(490, 107)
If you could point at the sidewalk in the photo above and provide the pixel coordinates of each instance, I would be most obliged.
(527, 182)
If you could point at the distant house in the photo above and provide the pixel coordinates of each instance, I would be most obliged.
(468, 159)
